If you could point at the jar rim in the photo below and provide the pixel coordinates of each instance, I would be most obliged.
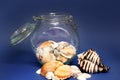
(56, 14)
(52, 15)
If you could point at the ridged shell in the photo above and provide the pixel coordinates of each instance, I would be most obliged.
(50, 67)
(63, 72)
(90, 62)
(90, 55)
(90, 67)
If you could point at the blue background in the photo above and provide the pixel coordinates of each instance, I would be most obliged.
(99, 28)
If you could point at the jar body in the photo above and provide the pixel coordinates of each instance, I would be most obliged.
(56, 28)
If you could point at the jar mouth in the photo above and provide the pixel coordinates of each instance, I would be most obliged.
(56, 14)
(50, 16)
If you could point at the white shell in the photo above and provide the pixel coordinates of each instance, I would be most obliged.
(85, 75)
(75, 69)
(81, 78)
(49, 75)
(38, 71)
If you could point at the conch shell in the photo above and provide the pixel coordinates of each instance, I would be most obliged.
(90, 62)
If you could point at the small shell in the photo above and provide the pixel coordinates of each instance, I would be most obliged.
(38, 71)
(50, 67)
(63, 72)
(62, 44)
(85, 75)
(67, 50)
(81, 78)
(49, 75)
(75, 71)
(47, 44)
(47, 56)
(61, 58)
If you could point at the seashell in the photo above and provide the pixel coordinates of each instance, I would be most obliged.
(46, 56)
(49, 75)
(90, 62)
(63, 72)
(75, 71)
(85, 75)
(47, 44)
(90, 55)
(68, 51)
(62, 44)
(38, 71)
(81, 78)
(91, 67)
(61, 58)
(50, 67)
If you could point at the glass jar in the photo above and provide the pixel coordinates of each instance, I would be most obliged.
(54, 37)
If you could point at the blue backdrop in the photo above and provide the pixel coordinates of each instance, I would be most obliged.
(99, 28)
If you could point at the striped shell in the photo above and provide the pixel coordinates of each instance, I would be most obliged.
(90, 62)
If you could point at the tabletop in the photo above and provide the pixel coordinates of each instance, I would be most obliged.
(98, 28)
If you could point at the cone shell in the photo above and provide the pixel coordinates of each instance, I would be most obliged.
(50, 67)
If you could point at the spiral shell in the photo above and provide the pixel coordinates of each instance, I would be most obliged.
(90, 62)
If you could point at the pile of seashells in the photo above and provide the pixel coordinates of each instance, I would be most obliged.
(51, 51)
(59, 71)
(54, 55)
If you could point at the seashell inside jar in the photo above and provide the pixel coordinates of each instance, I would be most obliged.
(55, 51)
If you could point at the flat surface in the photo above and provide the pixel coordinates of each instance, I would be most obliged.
(98, 27)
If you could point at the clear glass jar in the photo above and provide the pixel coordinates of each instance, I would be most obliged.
(56, 28)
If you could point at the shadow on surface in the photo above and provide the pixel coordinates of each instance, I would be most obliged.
(14, 55)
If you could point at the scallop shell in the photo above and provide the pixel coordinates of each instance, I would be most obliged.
(63, 72)
(66, 49)
(90, 62)
(50, 67)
